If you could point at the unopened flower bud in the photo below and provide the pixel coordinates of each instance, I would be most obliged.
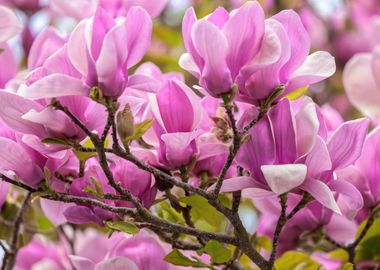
(125, 122)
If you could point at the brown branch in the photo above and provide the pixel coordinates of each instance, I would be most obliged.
(11, 254)
(280, 224)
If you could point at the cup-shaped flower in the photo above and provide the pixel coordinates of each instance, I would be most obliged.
(362, 84)
(99, 52)
(177, 114)
(258, 58)
(289, 150)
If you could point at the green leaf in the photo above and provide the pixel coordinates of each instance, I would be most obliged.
(123, 226)
(369, 249)
(204, 210)
(58, 141)
(347, 266)
(263, 242)
(297, 93)
(97, 185)
(140, 130)
(84, 156)
(294, 259)
(177, 258)
(373, 231)
(217, 251)
(169, 214)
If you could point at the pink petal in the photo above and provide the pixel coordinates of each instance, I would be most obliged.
(179, 147)
(322, 193)
(81, 263)
(219, 17)
(139, 29)
(8, 59)
(251, 155)
(317, 67)
(15, 158)
(187, 24)
(45, 44)
(77, 48)
(345, 144)
(360, 85)
(55, 85)
(349, 194)
(212, 46)
(116, 263)
(144, 83)
(54, 210)
(318, 160)
(10, 25)
(369, 162)
(284, 178)
(307, 126)
(13, 107)
(299, 40)
(284, 134)
(244, 44)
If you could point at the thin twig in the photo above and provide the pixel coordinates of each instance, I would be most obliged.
(10, 256)
(280, 224)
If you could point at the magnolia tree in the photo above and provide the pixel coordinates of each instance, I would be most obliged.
(109, 163)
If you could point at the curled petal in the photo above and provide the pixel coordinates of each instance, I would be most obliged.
(283, 178)
(10, 25)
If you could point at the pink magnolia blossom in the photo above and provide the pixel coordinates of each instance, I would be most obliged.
(258, 59)
(360, 79)
(364, 174)
(291, 149)
(177, 114)
(42, 254)
(99, 53)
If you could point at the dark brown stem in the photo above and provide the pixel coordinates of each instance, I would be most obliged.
(11, 255)
(280, 224)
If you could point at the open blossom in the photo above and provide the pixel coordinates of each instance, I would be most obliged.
(99, 59)
(291, 149)
(259, 58)
(361, 82)
(177, 114)
(365, 174)
(42, 254)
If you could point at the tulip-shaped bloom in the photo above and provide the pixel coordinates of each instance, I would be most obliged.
(289, 149)
(98, 54)
(258, 58)
(362, 84)
(177, 114)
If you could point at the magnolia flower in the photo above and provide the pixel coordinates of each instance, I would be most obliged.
(290, 149)
(98, 54)
(177, 114)
(364, 174)
(360, 79)
(258, 58)
(42, 254)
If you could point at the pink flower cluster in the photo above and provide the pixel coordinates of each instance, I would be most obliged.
(245, 66)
